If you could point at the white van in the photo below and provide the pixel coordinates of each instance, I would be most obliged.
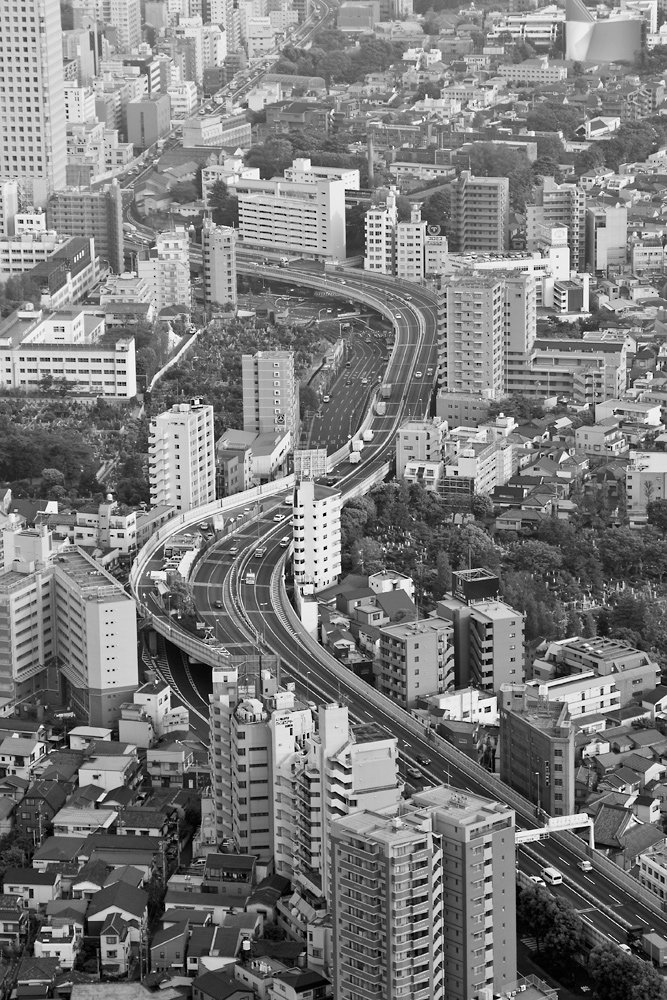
(552, 876)
(284, 542)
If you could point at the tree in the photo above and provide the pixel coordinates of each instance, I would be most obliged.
(490, 160)
(437, 209)
(536, 908)
(619, 976)
(355, 230)
(271, 156)
(51, 478)
(443, 580)
(308, 398)
(224, 206)
(656, 511)
(537, 557)
(481, 506)
(367, 556)
(565, 937)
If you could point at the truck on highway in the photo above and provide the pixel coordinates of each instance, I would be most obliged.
(250, 577)
(656, 948)
(385, 391)
(357, 446)
(367, 435)
(355, 458)
(380, 408)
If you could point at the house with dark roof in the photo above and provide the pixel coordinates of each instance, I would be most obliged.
(115, 946)
(219, 985)
(39, 805)
(35, 888)
(13, 921)
(199, 945)
(301, 984)
(169, 947)
(264, 898)
(36, 977)
(90, 879)
(124, 900)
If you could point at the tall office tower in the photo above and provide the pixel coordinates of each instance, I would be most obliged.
(96, 637)
(423, 901)
(471, 348)
(606, 236)
(520, 322)
(488, 634)
(181, 456)
(190, 30)
(91, 213)
(34, 131)
(411, 246)
(167, 270)
(316, 525)
(380, 226)
(416, 660)
(559, 205)
(219, 257)
(222, 702)
(480, 213)
(270, 393)
(343, 769)
(124, 16)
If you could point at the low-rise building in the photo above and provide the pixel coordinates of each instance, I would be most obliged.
(170, 764)
(35, 888)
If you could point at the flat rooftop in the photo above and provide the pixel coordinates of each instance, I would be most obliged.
(92, 581)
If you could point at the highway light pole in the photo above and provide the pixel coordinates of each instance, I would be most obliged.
(539, 805)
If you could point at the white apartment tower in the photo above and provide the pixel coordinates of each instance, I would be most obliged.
(380, 225)
(221, 706)
(471, 345)
(219, 256)
(270, 393)
(167, 270)
(181, 456)
(96, 636)
(34, 130)
(296, 218)
(411, 246)
(423, 899)
(125, 17)
(316, 526)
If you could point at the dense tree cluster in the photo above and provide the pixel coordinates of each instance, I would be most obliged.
(333, 58)
(553, 922)
(15, 292)
(619, 976)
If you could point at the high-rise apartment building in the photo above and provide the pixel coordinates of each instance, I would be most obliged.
(181, 456)
(471, 347)
(416, 660)
(99, 213)
(520, 322)
(411, 246)
(559, 205)
(167, 270)
(124, 16)
(488, 634)
(316, 528)
(606, 236)
(222, 702)
(270, 393)
(537, 751)
(34, 132)
(380, 224)
(423, 899)
(296, 218)
(219, 257)
(9, 206)
(96, 637)
(480, 213)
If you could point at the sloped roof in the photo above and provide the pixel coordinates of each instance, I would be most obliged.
(611, 823)
(122, 896)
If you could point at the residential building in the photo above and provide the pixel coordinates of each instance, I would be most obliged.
(63, 345)
(124, 900)
(270, 393)
(645, 480)
(61, 938)
(232, 131)
(416, 659)
(589, 371)
(98, 213)
(22, 252)
(585, 694)
(633, 670)
(9, 206)
(298, 218)
(411, 247)
(460, 941)
(303, 172)
(537, 752)
(653, 870)
(96, 635)
(219, 258)
(488, 634)
(471, 343)
(170, 764)
(560, 205)
(124, 16)
(110, 772)
(531, 71)
(181, 456)
(230, 171)
(419, 440)
(115, 946)
(148, 119)
(19, 755)
(480, 213)
(222, 702)
(34, 146)
(14, 920)
(106, 525)
(316, 531)
(234, 464)
(167, 270)
(380, 224)
(603, 438)
(36, 889)
(606, 237)
(39, 805)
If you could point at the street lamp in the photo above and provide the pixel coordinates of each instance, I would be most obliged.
(539, 805)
